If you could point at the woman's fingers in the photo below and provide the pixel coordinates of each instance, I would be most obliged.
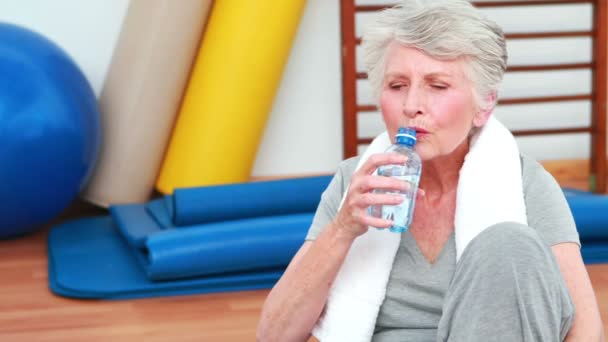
(367, 183)
(376, 160)
(368, 199)
(420, 193)
(371, 221)
(354, 216)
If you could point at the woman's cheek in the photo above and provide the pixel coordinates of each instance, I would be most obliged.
(390, 108)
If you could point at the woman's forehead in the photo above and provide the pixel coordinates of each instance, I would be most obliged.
(402, 60)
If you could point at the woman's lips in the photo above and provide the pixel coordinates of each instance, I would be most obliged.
(420, 131)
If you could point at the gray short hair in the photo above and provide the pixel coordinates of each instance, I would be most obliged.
(443, 29)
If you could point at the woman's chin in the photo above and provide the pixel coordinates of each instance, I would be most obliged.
(425, 154)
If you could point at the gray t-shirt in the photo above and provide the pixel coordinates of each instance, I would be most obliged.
(414, 296)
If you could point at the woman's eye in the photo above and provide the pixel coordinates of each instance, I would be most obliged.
(439, 86)
(396, 86)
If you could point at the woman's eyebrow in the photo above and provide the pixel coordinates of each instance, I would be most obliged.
(434, 75)
(395, 74)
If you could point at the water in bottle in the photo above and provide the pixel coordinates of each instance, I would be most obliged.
(401, 214)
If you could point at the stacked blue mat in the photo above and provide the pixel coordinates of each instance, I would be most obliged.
(199, 240)
(218, 239)
(590, 213)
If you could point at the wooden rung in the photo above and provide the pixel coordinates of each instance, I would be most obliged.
(549, 67)
(480, 4)
(367, 108)
(529, 3)
(364, 141)
(542, 99)
(552, 131)
(557, 34)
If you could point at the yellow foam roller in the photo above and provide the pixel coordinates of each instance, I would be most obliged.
(230, 93)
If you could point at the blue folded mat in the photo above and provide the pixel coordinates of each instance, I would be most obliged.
(161, 210)
(591, 215)
(210, 248)
(595, 252)
(590, 212)
(569, 192)
(89, 259)
(246, 200)
(231, 246)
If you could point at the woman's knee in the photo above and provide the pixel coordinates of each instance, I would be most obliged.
(507, 241)
(509, 270)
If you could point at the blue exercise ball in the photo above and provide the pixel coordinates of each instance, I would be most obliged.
(49, 130)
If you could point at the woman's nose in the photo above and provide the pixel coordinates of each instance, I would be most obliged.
(413, 102)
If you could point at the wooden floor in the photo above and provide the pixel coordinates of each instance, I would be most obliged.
(29, 312)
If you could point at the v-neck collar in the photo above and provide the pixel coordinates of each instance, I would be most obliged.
(410, 243)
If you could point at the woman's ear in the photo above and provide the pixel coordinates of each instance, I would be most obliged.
(483, 114)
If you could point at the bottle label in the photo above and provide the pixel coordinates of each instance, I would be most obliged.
(400, 214)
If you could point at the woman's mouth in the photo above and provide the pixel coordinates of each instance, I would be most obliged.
(420, 131)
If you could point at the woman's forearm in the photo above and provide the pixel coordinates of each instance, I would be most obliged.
(297, 300)
(587, 324)
(594, 333)
(586, 327)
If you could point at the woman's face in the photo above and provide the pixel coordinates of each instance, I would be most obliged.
(435, 97)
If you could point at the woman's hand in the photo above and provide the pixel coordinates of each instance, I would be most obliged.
(353, 218)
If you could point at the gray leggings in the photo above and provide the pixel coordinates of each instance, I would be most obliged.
(507, 287)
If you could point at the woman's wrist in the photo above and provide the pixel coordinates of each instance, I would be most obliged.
(341, 234)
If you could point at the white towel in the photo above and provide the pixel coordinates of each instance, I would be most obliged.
(489, 191)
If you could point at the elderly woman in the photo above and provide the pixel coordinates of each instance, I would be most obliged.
(436, 66)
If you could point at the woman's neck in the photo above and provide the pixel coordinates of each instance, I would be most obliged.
(440, 175)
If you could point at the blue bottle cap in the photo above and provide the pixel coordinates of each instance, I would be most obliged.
(406, 135)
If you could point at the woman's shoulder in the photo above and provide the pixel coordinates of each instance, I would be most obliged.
(546, 206)
(538, 184)
(533, 172)
(344, 172)
(331, 197)
(349, 165)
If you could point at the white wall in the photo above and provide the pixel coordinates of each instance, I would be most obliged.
(86, 30)
(304, 132)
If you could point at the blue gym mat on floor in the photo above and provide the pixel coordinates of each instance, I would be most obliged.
(166, 247)
(89, 259)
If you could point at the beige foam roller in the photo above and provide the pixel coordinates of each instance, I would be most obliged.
(142, 94)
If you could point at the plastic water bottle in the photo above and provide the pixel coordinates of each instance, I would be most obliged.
(401, 214)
